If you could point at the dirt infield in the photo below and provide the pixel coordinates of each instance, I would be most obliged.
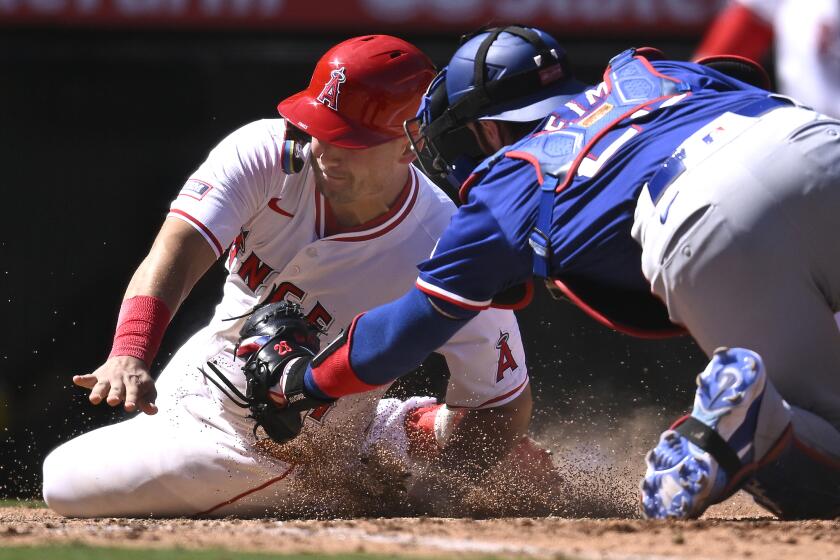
(586, 509)
(738, 530)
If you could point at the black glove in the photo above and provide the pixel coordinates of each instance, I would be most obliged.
(279, 343)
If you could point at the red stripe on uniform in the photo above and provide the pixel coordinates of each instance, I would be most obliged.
(274, 204)
(334, 375)
(429, 291)
(202, 227)
(248, 492)
(319, 231)
(398, 212)
(507, 395)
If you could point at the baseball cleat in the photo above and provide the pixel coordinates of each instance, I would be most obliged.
(702, 459)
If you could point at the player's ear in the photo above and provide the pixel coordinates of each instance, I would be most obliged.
(488, 134)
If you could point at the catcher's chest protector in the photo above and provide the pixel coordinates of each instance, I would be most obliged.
(559, 153)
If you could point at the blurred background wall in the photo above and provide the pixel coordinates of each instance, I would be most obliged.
(106, 106)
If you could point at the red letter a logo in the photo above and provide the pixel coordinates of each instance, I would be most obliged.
(329, 95)
(506, 361)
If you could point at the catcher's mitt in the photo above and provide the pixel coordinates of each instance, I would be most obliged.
(278, 343)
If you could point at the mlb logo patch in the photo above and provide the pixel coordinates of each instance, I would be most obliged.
(713, 135)
(195, 189)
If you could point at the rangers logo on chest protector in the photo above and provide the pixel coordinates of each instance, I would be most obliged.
(329, 95)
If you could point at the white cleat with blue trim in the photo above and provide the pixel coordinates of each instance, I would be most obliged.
(705, 457)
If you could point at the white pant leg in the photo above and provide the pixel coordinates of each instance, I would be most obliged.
(170, 464)
(191, 457)
(197, 455)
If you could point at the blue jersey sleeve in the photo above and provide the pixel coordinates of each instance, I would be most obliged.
(702, 78)
(485, 249)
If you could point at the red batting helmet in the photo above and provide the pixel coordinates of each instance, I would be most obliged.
(361, 92)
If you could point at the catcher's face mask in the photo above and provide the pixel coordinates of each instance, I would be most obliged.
(520, 79)
(447, 151)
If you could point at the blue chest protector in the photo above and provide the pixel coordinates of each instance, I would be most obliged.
(556, 152)
(632, 86)
(591, 158)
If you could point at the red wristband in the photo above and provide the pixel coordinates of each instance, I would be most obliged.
(140, 327)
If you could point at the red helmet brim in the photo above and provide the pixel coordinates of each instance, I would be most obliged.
(319, 121)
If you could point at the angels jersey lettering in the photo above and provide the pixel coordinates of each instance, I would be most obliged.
(288, 254)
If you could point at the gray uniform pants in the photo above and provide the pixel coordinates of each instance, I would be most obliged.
(743, 249)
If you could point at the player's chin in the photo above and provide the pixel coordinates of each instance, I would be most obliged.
(338, 190)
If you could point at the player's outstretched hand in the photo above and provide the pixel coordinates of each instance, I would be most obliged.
(121, 379)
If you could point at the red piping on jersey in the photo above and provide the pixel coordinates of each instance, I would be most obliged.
(650, 68)
(203, 228)
(396, 214)
(319, 201)
(530, 158)
(519, 388)
(335, 228)
(522, 303)
(468, 184)
(429, 291)
(334, 376)
(247, 492)
(604, 320)
(274, 204)
(572, 173)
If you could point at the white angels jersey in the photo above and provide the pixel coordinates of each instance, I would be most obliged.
(275, 226)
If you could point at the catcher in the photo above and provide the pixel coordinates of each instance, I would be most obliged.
(319, 227)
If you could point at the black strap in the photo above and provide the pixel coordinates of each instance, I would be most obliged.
(498, 91)
(544, 51)
(516, 85)
(331, 348)
(709, 440)
(479, 66)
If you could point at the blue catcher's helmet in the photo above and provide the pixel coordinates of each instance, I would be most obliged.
(513, 73)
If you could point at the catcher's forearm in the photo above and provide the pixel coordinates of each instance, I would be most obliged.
(380, 346)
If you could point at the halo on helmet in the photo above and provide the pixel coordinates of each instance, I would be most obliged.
(361, 92)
